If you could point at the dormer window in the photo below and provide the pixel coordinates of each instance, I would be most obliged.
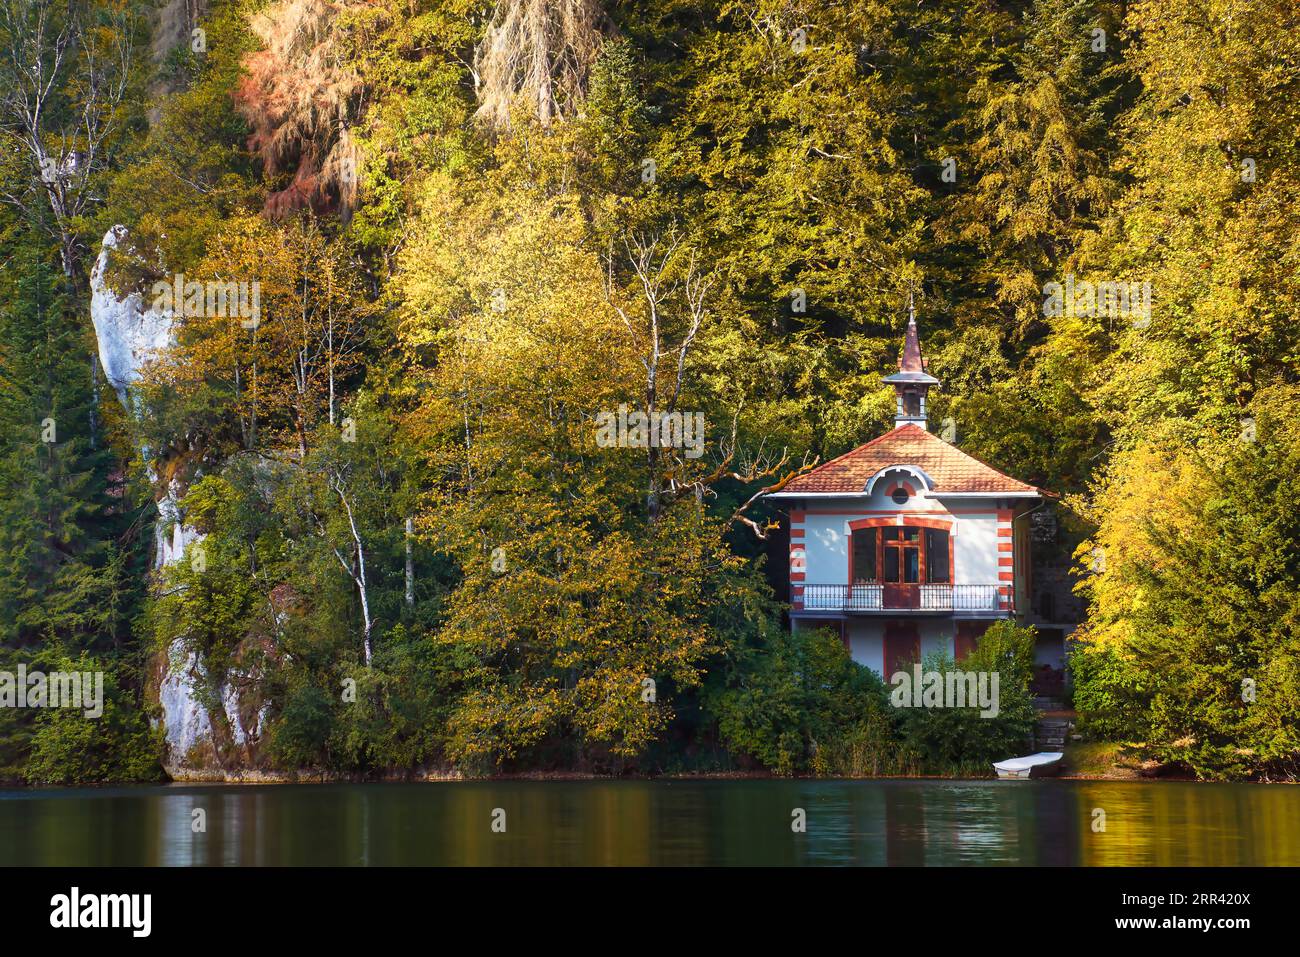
(890, 480)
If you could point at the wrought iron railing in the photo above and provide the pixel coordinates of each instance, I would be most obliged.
(820, 597)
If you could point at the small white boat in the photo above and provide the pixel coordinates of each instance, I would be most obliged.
(1040, 765)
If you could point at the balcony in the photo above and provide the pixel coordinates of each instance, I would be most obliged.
(986, 599)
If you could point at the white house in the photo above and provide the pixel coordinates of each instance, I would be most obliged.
(907, 545)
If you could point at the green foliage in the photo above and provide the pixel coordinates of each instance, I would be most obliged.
(67, 747)
(401, 708)
(61, 574)
(1111, 693)
(948, 739)
(301, 731)
(1213, 623)
(800, 705)
(799, 702)
(69, 579)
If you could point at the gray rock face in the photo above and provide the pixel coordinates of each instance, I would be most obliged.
(186, 723)
(129, 333)
(171, 534)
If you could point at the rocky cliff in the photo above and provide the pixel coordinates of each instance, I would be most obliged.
(199, 738)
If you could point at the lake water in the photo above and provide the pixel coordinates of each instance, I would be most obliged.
(658, 822)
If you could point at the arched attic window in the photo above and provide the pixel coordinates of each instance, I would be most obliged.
(888, 479)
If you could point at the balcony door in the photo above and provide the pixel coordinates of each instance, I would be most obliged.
(901, 566)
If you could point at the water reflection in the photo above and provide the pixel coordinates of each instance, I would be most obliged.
(662, 822)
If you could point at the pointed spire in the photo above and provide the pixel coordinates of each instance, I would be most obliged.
(911, 382)
(910, 360)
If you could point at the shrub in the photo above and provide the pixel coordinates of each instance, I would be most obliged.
(959, 740)
(803, 704)
(1111, 693)
(399, 717)
(301, 732)
(117, 746)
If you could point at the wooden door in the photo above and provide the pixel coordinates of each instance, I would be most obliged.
(902, 646)
(968, 634)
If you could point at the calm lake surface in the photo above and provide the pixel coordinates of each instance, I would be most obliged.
(658, 822)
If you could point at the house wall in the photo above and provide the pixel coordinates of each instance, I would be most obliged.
(819, 537)
(826, 539)
(976, 555)
(1023, 562)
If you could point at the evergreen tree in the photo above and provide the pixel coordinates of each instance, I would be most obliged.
(60, 514)
(68, 587)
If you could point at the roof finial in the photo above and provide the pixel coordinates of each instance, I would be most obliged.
(911, 307)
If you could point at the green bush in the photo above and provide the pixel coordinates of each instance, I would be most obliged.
(117, 746)
(867, 748)
(300, 733)
(805, 707)
(398, 719)
(794, 705)
(952, 740)
(1111, 693)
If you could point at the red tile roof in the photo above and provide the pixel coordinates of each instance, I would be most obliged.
(951, 469)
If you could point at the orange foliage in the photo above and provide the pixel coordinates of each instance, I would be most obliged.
(300, 99)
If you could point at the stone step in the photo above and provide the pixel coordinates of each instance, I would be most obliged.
(1050, 734)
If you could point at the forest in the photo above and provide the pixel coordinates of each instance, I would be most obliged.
(407, 256)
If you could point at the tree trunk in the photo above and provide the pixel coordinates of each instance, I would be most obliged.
(330, 354)
(360, 576)
(410, 563)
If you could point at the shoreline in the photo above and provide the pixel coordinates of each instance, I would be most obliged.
(308, 778)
